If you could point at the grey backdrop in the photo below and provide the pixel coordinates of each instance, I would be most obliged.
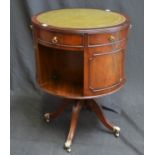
(29, 134)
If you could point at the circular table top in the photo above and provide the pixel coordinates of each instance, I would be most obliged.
(80, 18)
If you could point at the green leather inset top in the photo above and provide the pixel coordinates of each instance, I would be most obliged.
(80, 18)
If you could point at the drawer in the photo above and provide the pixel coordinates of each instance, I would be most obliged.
(106, 38)
(60, 39)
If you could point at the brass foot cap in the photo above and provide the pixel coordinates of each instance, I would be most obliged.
(67, 146)
(116, 131)
(47, 117)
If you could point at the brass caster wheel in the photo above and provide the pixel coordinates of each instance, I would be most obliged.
(67, 147)
(116, 130)
(47, 117)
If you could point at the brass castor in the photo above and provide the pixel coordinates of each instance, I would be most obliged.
(47, 117)
(67, 147)
(116, 131)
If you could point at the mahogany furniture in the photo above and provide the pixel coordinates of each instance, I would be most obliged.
(80, 55)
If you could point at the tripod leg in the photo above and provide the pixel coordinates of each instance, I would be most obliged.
(100, 114)
(58, 112)
(74, 120)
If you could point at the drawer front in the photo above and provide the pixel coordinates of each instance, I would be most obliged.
(106, 38)
(73, 40)
(48, 37)
(60, 39)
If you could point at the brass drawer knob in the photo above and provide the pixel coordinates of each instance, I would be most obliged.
(112, 38)
(54, 40)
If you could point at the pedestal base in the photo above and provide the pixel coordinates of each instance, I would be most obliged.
(77, 106)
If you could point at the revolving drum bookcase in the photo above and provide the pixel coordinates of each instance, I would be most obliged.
(80, 55)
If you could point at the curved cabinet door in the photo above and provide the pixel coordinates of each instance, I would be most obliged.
(105, 71)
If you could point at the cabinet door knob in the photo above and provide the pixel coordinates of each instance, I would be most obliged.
(54, 40)
(112, 38)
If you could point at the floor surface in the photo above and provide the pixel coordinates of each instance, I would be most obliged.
(30, 135)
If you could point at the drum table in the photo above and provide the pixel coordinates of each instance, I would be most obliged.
(80, 55)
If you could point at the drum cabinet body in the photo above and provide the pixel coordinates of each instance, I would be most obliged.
(80, 63)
